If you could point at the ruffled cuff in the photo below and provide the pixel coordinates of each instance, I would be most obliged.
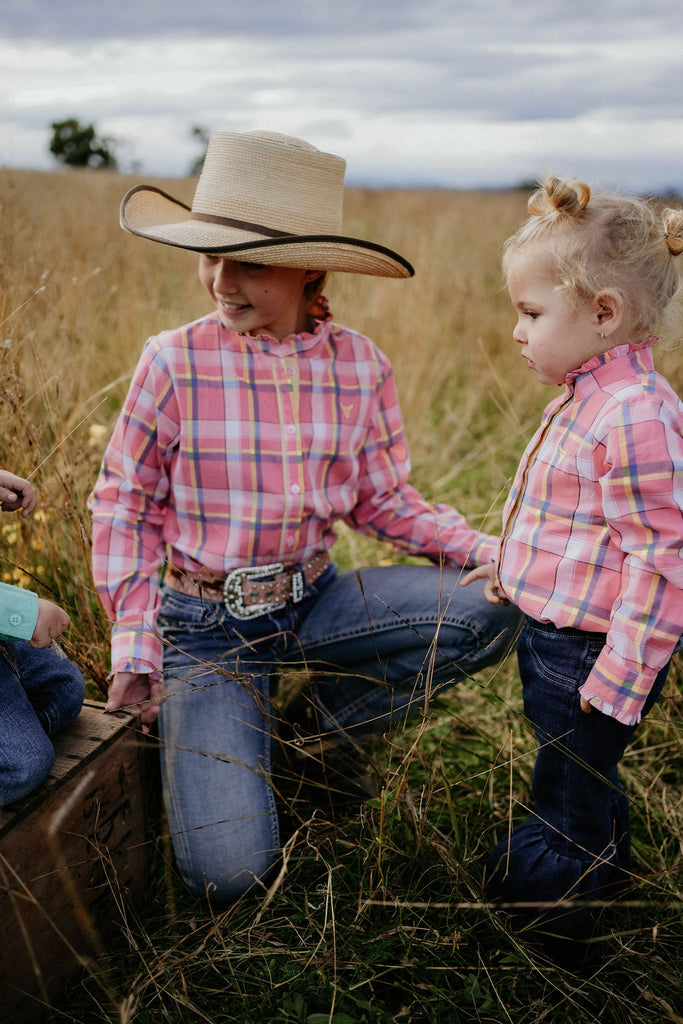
(618, 688)
(608, 709)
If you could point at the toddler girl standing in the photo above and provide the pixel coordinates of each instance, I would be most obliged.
(591, 542)
(245, 436)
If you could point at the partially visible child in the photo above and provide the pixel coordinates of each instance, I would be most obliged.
(591, 542)
(41, 691)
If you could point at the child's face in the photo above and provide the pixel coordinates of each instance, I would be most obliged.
(254, 298)
(556, 336)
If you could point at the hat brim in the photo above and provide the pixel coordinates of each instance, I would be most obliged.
(153, 214)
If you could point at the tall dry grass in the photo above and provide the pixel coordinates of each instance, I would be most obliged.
(378, 917)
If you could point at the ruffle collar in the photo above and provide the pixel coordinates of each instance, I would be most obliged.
(611, 354)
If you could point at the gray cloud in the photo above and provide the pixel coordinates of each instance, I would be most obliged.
(71, 20)
(361, 21)
(530, 81)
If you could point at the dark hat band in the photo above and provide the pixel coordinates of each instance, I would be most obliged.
(242, 225)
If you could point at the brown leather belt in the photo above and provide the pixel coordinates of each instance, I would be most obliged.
(254, 589)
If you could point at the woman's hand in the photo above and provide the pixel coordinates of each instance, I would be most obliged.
(493, 592)
(136, 690)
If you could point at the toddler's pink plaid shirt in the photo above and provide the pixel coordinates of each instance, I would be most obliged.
(593, 526)
(232, 451)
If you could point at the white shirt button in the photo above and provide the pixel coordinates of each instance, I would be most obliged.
(291, 429)
(15, 619)
(295, 489)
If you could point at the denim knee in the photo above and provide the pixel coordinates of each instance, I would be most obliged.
(67, 692)
(23, 775)
(224, 886)
(53, 685)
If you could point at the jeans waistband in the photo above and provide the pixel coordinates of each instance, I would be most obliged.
(550, 627)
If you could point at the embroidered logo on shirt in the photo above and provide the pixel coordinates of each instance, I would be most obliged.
(346, 409)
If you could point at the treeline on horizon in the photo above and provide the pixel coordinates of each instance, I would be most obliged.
(74, 144)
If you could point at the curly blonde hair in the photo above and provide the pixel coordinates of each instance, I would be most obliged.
(598, 241)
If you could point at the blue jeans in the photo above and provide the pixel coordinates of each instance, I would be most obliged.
(379, 647)
(41, 692)
(576, 846)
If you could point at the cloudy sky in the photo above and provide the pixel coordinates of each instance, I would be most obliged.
(455, 93)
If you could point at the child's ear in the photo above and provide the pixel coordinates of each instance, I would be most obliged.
(608, 311)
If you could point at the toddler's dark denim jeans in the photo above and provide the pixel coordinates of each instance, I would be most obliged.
(576, 846)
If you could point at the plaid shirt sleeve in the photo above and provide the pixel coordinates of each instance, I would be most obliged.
(128, 507)
(392, 510)
(642, 496)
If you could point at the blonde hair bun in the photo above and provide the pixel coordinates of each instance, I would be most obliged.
(559, 196)
(672, 224)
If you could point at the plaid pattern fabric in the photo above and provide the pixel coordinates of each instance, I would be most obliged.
(593, 526)
(232, 450)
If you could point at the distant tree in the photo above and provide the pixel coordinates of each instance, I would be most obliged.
(202, 135)
(78, 145)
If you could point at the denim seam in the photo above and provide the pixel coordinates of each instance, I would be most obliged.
(374, 630)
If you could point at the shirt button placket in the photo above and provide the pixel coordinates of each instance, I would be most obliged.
(293, 450)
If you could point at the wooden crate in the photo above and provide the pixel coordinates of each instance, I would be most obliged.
(73, 859)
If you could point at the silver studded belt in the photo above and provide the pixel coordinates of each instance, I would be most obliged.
(251, 590)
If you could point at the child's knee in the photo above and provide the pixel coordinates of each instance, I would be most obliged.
(73, 693)
(22, 775)
(67, 692)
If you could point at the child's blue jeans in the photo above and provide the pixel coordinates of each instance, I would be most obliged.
(386, 644)
(576, 846)
(41, 692)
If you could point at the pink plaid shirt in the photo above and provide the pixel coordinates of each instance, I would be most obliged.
(232, 450)
(593, 526)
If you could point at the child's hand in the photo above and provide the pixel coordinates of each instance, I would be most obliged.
(493, 592)
(16, 493)
(52, 621)
(131, 690)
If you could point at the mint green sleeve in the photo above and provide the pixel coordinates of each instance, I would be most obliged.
(18, 612)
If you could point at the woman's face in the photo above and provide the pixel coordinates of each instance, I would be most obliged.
(253, 298)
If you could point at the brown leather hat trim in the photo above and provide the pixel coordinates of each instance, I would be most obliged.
(243, 225)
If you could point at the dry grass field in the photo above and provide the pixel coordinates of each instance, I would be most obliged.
(379, 916)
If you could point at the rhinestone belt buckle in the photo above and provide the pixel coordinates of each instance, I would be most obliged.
(233, 598)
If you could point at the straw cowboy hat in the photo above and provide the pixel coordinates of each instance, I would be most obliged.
(264, 198)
